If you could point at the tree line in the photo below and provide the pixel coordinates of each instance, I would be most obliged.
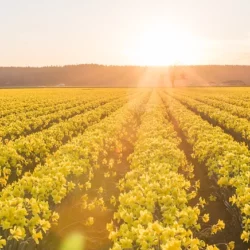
(93, 75)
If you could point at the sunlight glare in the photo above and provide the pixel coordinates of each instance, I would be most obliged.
(164, 45)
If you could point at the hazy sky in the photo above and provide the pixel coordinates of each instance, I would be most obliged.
(58, 32)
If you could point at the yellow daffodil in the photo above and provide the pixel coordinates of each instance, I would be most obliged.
(36, 236)
(205, 218)
(17, 233)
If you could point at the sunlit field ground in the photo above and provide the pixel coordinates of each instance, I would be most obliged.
(141, 168)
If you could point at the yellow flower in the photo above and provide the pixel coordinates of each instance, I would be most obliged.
(245, 236)
(110, 226)
(233, 199)
(45, 225)
(106, 175)
(172, 245)
(96, 166)
(104, 161)
(5, 225)
(230, 245)
(84, 200)
(2, 242)
(212, 248)
(116, 246)
(90, 221)
(91, 206)
(212, 198)
(156, 227)
(197, 184)
(36, 236)
(3, 182)
(202, 202)
(87, 185)
(100, 190)
(17, 233)
(246, 209)
(71, 185)
(113, 200)
(223, 181)
(219, 226)
(126, 243)
(205, 218)
(55, 217)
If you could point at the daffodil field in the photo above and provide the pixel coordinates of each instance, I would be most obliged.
(117, 168)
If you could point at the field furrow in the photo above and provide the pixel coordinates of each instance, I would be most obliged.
(26, 153)
(153, 204)
(238, 127)
(37, 202)
(23, 127)
(227, 161)
(221, 104)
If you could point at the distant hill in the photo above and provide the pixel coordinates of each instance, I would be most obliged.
(92, 75)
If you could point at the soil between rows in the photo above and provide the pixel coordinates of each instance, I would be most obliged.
(216, 209)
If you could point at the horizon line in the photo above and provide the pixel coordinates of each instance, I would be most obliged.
(127, 65)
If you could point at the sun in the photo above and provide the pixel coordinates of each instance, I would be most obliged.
(163, 45)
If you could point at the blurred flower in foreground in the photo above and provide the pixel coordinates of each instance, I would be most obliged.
(74, 241)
